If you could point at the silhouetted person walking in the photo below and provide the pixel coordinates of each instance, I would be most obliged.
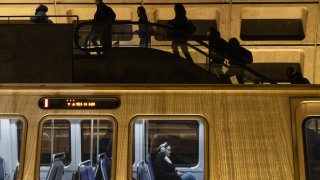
(180, 24)
(218, 49)
(296, 77)
(143, 27)
(41, 16)
(238, 57)
(101, 30)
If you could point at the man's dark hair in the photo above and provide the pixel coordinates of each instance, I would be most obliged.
(142, 10)
(42, 8)
(179, 9)
(214, 32)
(234, 42)
(291, 72)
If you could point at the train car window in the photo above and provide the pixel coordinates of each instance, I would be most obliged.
(73, 144)
(185, 138)
(182, 137)
(312, 147)
(98, 134)
(55, 139)
(11, 138)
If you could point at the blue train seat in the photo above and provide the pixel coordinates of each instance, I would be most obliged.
(150, 167)
(3, 174)
(85, 171)
(103, 167)
(142, 172)
(1, 169)
(105, 164)
(56, 170)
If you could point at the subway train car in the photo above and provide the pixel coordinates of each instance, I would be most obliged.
(112, 131)
(63, 131)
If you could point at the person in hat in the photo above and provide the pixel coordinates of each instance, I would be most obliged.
(164, 169)
(104, 17)
(41, 16)
(218, 48)
(295, 77)
(180, 24)
(143, 29)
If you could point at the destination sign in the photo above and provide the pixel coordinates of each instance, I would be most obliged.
(79, 103)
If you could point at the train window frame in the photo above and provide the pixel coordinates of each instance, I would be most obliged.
(200, 118)
(93, 161)
(302, 111)
(66, 162)
(78, 117)
(24, 124)
(305, 139)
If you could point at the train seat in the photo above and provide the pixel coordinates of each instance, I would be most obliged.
(104, 163)
(3, 174)
(142, 171)
(150, 168)
(103, 168)
(56, 170)
(85, 171)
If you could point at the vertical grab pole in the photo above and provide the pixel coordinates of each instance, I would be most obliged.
(97, 155)
(91, 141)
(52, 139)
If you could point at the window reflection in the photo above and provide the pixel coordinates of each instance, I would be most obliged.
(176, 142)
(312, 148)
(11, 134)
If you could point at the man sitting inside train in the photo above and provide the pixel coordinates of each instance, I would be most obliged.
(164, 169)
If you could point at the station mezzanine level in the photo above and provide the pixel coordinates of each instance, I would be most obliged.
(274, 31)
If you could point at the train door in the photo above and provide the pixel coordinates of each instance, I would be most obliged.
(307, 124)
(74, 147)
(12, 130)
(186, 137)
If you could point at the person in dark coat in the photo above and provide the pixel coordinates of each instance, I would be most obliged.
(218, 49)
(143, 28)
(164, 169)
(104, 17)
(296, 77)
(41, 16)
(238, 58)
(180, 24)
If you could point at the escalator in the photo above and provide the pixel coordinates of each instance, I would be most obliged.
(126, 62)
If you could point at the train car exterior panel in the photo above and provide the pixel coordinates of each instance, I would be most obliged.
(250, 133)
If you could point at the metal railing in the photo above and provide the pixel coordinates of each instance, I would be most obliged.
(9, 18)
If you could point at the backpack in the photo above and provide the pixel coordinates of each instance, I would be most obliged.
(191, 28)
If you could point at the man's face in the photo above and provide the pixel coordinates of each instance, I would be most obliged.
(168, 151)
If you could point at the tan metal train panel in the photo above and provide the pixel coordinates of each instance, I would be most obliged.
(250, 134)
